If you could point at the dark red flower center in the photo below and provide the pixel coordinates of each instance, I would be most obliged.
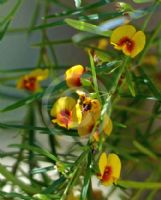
(87, 106)
(29, 83)
(107, 173)
(127, 42)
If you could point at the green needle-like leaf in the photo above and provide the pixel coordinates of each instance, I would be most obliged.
(87, 27)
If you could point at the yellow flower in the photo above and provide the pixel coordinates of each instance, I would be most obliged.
(126, 38)
(89, 105)
(91, 109)
(31, 81)
(73, 75)
(66, 112)
(110, 167)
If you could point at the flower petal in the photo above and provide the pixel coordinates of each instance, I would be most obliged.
(76, 116)
(102, 163)
(139, 41)
(121, 32)
(86, 125)
(73, 74)
(40, 74)
(114, 161)
(107, 125)
(63, 103)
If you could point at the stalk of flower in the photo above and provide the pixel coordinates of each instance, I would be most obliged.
(110, 168)
(31, 81)
(127, 39)
(66, 112)
(73, 75)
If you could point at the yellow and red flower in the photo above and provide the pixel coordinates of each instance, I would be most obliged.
(91, 109)
(110, 167)
(127, 39)
(66, 112)
(31, 82)
(73, 76)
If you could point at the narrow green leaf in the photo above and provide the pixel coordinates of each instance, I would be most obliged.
(11, 14)
(87, 179)
(38, 150)
(143, 1)
(8, 195)
(144, 150)
(130, 82)
(86, 185)
(94, 76)
(55, 185)
(139, 185)
(49, 25)
(108, 67)
(87, 27)
(44, 130)
(17, 126)
(3, 31)
(150, 84)
(22, 102)
(42, 169)
(80, 10)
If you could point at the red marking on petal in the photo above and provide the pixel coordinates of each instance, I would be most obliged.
(107, 174)
(127, 42)
(65, 116)
(29, 83)
(76, 81)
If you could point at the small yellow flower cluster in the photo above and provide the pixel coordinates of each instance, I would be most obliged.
(31, 82)
(82, 114)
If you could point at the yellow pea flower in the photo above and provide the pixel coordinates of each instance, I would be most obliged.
(66, 112)
(73, 75)
(31, 81)
(126, 38)
(110, 167)
(91, 109)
